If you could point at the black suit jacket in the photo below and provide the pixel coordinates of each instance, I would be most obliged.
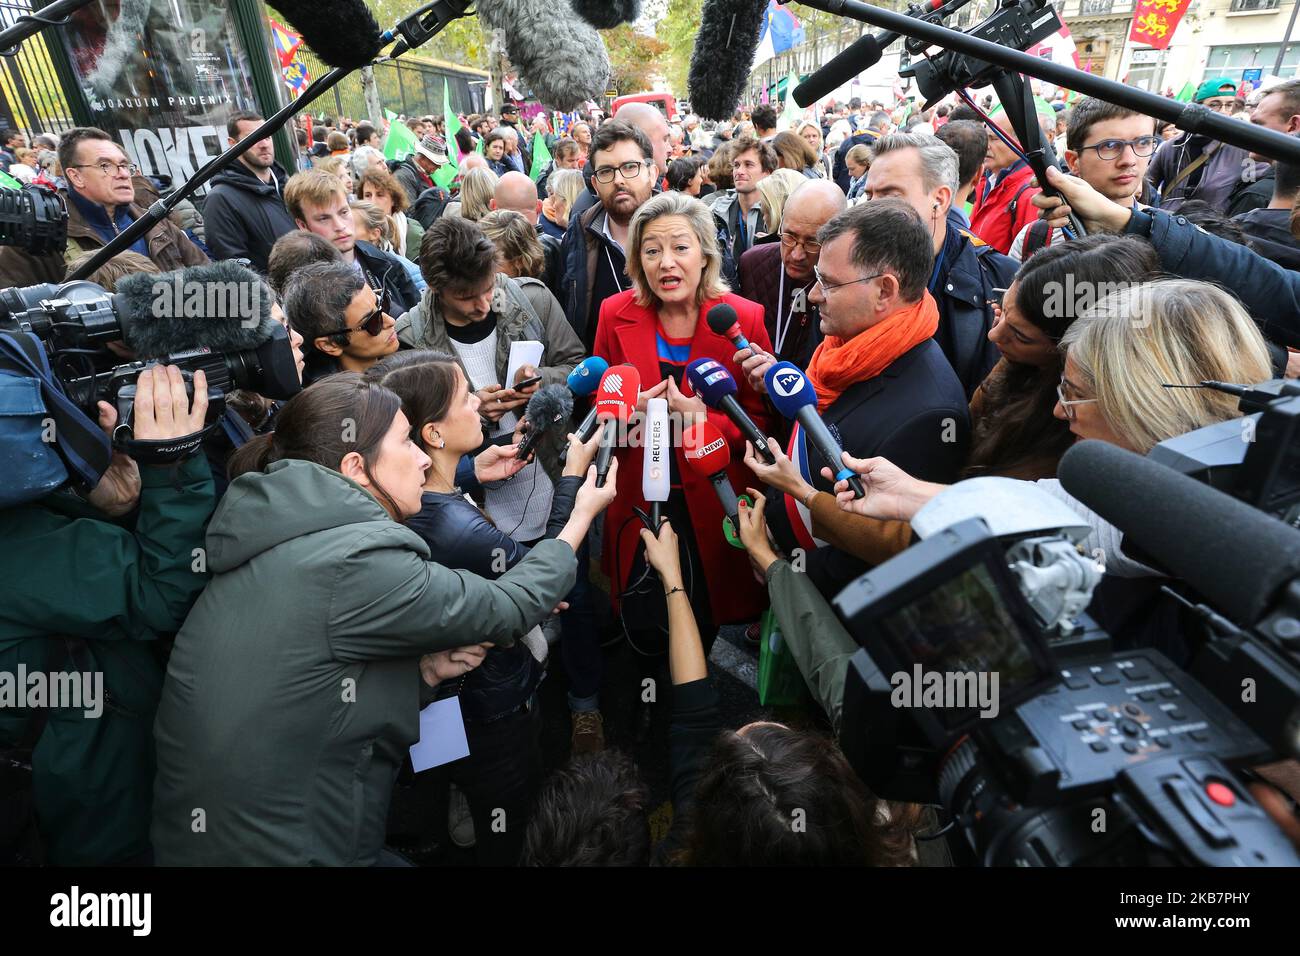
(915, 414)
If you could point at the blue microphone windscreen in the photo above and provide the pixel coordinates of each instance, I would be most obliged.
(710, 380)
(789, 389)
(586, 376)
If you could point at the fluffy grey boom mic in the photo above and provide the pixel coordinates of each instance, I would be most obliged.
(222, 306)
(607, 14)
(562, 59)
(547, 413)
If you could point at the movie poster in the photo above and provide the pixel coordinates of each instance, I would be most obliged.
(162, 76)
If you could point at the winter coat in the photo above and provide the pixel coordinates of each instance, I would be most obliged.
(243, 216)
(166, 242)
(962, 287)
(83, 592)
(1000, 213)
(293, 691)
(385, 272)
(1216, 179)
(626, 334)
(1269, 232)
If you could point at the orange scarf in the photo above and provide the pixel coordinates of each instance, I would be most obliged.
(838, 363)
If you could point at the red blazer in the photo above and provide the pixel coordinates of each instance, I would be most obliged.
(626, 335)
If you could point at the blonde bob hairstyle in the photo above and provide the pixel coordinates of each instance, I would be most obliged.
(774, 191)
(1173, 331)
(711, 284)
(476, 190)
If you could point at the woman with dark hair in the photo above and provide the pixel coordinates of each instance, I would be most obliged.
(686, 175)
(379, 186)
(291, 695)
(498, 700)
(494, 151)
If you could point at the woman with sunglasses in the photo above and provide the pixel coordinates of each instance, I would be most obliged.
(340, 319)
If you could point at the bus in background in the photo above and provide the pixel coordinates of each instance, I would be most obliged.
(663, 102)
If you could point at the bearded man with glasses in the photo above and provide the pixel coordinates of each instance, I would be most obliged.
(1109, 147)
(1194, 166)
(101, 202)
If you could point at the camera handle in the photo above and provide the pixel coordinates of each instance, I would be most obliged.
(421, 25)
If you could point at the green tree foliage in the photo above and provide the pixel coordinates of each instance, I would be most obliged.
(464, 41)
(634, 58)
(677, 32)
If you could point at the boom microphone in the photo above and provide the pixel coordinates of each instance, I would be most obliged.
(713, 383)
(655, 479)
(723, 55)
(607, 14)
(707, 454)
(796, 399)
(222, 306)
(564, 61)
(546, 413)
(620, 387)
(343, 33)
(582, 382)
(1237, 557)
(723, 321)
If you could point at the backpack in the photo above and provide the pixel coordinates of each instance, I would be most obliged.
(429, 206)
(1038, 237)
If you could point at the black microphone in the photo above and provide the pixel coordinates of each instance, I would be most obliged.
(1237, 557)
(546, 413)
(714, 384)
(723, 55)
(723, 321)
(343, 33)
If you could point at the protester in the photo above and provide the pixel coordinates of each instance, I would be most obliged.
(857, 161)
(686, 175)
(738, 216)
(773, 191)
(319, 204)
(366, 592)
(650, 121)
(477, 187)
(370, 224)
(294, 250)
(1003, 196)
(793, 152)
(101, 202)
(863, 136)
(340, 318)
(811, 134)
(1279, 110)
(495, 145)
(563, 189)
(127, 546)
(968, 140)
(1194, 166)
(244, 212)
(1270, 230)
(522, 251)
(380, 187)
(623, 176)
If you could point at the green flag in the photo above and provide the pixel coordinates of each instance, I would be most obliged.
(478, 145)
(1186, 93)
(400, 141)
(791, 113)
(445, 175)
(8, 182)
(541, 155)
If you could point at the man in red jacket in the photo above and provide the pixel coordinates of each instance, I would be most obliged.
(1002, 197)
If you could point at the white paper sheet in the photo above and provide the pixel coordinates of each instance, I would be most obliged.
(442, 735)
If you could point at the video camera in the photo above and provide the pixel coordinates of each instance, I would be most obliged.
(982, 686)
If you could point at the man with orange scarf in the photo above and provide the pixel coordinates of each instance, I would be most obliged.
(883, 384)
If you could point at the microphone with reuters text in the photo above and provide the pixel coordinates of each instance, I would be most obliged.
(655, 479)
(616, 397)
(707, 454)
(796, 399)
(714, 384)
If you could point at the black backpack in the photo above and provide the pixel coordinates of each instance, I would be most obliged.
(429, 206)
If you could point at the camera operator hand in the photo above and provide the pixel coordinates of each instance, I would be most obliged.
(448, 665)
(783, 474)
(162, 411)
(753, 534)
(1096, 212)
(891, 492)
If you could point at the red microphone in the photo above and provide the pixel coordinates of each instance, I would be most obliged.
(707, 454)
(616, 397)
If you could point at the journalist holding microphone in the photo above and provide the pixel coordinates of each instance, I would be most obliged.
(116, 571)
(659, 326)
(292, 691)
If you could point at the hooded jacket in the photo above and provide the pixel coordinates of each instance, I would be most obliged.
(243, 216)
(293, 691)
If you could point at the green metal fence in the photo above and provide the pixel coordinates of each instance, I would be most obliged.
(31, 98)
(409, 86)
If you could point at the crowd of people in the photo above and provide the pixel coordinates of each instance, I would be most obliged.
(375, 544)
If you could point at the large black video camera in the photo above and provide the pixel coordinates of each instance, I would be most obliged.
(978, 688)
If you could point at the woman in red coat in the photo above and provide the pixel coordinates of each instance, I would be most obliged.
(659, 326)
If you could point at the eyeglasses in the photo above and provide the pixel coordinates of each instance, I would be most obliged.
(826, 289)
(1069, 403)
(108, 168)
(1217, 106)
(629, 170)
(810, 248)
(1109, 149)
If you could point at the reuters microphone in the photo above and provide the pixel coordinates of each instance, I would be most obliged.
(654, 465)
(707, 454)
(796, 399)
(714, 384)
(582, 381)
(616, 397)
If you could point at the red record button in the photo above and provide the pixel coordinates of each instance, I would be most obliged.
(1220, 794)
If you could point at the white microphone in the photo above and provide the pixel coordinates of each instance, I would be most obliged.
(655, 463)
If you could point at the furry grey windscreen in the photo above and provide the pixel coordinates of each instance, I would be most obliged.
(561, 58)
(549, 411)
(221, 306)
(343, 33)
(607, 14)
(724, 52)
